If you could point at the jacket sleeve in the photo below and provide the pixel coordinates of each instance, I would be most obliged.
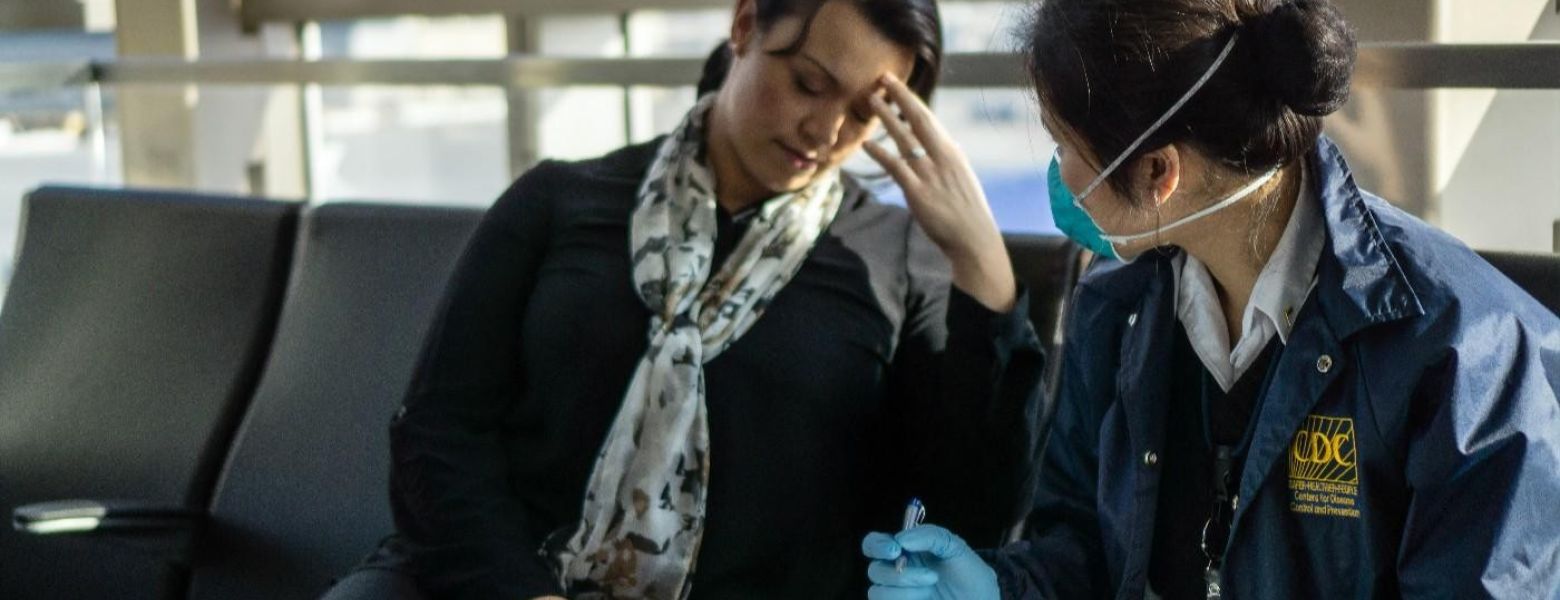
(968, 384)
(468, 536)
(1060, 554)
(1482, 467)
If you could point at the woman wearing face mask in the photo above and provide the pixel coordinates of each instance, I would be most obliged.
(680, 368)
(1285, 387)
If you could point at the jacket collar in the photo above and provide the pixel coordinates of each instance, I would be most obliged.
(1360, 281)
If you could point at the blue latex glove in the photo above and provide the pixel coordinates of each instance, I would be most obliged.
(940, 567)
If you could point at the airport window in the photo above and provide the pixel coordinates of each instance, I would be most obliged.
(438, 144)
(55, 135)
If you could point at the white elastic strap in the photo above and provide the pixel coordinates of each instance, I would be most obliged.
(1233, 198)
(1230, 45)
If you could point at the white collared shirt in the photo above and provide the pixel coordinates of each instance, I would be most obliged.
(1280, 291)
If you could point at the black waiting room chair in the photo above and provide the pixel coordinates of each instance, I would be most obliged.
(135, 328)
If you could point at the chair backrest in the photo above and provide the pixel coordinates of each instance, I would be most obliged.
(1048, 265)
(130, 342)
(304, 494)
(1537, 273)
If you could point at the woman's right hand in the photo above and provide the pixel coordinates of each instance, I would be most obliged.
(941, 566)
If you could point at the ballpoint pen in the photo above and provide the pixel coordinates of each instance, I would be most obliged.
(915, 513)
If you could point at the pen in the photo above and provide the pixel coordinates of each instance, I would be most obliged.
(915, 513)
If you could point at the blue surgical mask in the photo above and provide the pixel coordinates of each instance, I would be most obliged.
(1068, 212)
(1070, 217)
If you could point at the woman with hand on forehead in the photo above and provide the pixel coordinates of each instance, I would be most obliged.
(687, 368)
(1276, 384)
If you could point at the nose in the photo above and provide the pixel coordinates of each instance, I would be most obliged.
(821, 129)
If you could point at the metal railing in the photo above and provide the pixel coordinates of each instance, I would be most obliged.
(297, 11)
(1533, 65)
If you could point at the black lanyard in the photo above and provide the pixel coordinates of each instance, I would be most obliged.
(1247, 391)
(1216, 530)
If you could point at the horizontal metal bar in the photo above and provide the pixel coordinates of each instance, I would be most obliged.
(293, 11)
(1412, 66)
(1530, 65)
(44, 75)
(960, 70)
(518, 72)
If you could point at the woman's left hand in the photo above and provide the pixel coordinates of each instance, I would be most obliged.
(944, 195)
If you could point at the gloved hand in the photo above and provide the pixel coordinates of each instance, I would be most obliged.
(940, 567)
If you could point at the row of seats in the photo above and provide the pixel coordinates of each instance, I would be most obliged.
(211, 380)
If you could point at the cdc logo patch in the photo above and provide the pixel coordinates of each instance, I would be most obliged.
(1323, 474)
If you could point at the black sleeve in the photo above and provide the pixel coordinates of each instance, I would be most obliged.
(469, 537)
(968, 381)
(1061, 555)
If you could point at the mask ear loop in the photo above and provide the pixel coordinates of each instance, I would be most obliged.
(1265, 209)
(1159, 220)
(1121, 158)
(1256, 232)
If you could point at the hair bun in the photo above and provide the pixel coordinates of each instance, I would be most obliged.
(1305, 55)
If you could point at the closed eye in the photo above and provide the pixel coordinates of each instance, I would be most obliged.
(802, 87)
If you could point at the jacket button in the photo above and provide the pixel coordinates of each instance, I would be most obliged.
(1324, 364)
(1150, 459)
(1131, 319)
(400, 412)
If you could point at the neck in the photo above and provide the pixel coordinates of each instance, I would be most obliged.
(1235, 244)
(735, 190)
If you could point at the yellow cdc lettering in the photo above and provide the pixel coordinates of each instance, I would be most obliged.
(1323, 450)
(1312, 447)
(1338, 440)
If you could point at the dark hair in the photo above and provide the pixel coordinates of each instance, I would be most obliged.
(1107, 69)
(914, 24)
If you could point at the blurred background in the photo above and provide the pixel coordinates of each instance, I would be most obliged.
(1455, 116)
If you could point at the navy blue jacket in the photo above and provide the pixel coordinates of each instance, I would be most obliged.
(1407, 444)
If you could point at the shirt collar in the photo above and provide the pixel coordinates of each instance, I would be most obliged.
(1281, 288)
(1290, 272)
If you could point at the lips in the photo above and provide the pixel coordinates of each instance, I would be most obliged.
(797, 160)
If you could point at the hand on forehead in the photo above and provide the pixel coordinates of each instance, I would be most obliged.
(842, 47)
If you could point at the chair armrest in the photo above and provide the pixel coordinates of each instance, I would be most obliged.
(67, 517)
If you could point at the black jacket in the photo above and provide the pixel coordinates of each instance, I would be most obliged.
(868, 380)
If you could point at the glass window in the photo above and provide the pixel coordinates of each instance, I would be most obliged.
(414, 37)
(51, 136)
(1496, 185)
(424, 144)
(435, 144)
(677, 32)
(669, 33)
(655, 111)
(981, 26)
(581, 121)
(999, 130)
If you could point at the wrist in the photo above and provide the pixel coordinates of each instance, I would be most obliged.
(986, 276)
